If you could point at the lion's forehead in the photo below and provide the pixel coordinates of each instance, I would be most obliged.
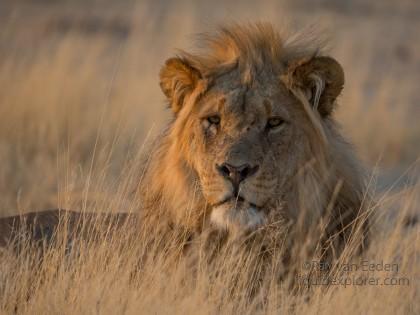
(249, 104)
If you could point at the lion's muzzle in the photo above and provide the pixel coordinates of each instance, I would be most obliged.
(237, 215)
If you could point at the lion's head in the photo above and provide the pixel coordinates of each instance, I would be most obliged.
(252, 131)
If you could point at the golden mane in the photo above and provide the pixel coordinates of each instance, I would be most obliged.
(171, 190)
(251, 47)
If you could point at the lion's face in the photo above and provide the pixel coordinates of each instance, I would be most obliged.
(241, 128)
(246, 140)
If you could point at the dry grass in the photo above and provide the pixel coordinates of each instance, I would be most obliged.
(124, 276)
(79, 96)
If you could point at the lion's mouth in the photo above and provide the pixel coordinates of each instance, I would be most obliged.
(238, 201)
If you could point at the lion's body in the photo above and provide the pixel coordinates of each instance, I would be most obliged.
(41, 228)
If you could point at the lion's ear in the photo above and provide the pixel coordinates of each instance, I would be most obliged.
(178, 79)
(320, 78)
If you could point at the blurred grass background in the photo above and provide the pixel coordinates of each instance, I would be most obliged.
(79, 96)
(79, 86)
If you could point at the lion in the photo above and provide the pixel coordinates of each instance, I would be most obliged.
(253, 144)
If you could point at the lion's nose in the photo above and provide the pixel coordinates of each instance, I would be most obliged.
(236, 174)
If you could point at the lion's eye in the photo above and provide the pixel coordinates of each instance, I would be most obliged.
(274, 122)
(214, 120)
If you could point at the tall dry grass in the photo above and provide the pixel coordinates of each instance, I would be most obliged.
(79, 96)
(126, 274)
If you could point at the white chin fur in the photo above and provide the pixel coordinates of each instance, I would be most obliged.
(236, 220)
